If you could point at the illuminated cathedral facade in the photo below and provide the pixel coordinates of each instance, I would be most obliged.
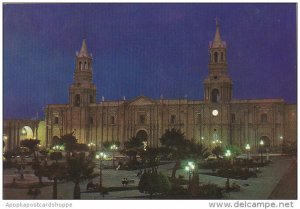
(217, 119)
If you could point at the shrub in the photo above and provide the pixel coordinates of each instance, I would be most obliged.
(56, 156)
(210, 191)
(154, 183)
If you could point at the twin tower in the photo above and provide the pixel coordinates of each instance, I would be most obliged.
(217, 85)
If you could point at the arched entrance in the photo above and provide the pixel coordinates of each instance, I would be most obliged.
(266, 140)
(26, 133)
(142, 134)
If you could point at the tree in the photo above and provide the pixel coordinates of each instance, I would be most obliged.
(39, 171)
(176, 143)
(56, 172)
(217, 151)
(56, 156)
(154, 183)
(79, 169)
(133, 146)
(151, 155)
(69, 141)
(31, 144)
(81, 147)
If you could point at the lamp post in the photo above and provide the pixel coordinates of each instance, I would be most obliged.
(113, 148)
(202, 139)
(261, 143)
(190, 169)
(100, 157)
(247, 147)
(37, 152)
(228, 155)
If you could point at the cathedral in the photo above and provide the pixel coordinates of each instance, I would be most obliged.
(217, 119)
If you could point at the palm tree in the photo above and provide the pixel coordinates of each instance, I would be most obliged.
(69, 142)
(79, 169)
(175, 142)
(132, 147)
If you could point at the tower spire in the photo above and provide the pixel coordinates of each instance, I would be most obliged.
(217, 40)
(83, 51)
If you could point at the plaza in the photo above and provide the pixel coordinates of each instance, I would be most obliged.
(252, 188)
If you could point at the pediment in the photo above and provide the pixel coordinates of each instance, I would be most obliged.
(142, 100)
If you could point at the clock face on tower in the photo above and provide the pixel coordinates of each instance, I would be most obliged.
(215, 112)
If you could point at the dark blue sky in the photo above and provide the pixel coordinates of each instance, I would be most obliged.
(148, 49)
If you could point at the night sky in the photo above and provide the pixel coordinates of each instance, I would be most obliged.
(144, 49)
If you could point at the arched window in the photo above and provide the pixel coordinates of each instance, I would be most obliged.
(215, 96)
(264, 118)
(216, 57)
(80, 65)
(77, 100)
(222, 57)
(85, 65)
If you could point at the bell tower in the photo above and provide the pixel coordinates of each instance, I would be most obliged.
(83, 92)
(217, 85)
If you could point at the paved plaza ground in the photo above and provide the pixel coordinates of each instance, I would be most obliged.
(277, 175)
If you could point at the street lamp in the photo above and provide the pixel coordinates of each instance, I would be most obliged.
(114, 148)
(190, 169)
(228, 155)
(91, 145)
(37, 151)
(261, 143)
(247, 147)
(100, 157)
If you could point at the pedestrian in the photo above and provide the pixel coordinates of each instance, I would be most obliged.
(123, 181)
